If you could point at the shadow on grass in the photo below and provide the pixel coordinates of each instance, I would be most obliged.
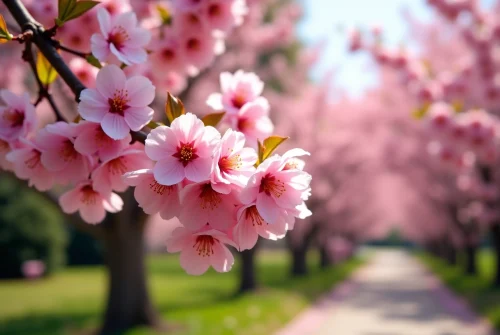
(46, 324)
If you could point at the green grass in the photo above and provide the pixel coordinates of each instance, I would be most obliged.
(71, 301)
(476, 289)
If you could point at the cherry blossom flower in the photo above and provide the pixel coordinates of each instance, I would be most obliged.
(84, 71)
(276, 191)
(91, 204)
(224, 15)
(251, 224)
(17, 117)
(108, 175)
(253, 121)
(233, 164)
(121, 37)
(202, 205)
(188, 5)
(56, 143)
(27, 165)
(183, 150)
(237, 90)
(91, 139)
(201, 250)
(117, 103)
(152, 196)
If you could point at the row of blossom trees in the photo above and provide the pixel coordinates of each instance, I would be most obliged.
(452, 83)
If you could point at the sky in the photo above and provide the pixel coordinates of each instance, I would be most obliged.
(330, 20)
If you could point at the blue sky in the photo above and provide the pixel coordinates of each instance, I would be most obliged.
(330, 19)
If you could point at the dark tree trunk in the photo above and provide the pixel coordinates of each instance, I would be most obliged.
(495, 234)
(299, 261)
(248, 281)
(129, 304)
(471, 259)
(325, 259)
(451, 254)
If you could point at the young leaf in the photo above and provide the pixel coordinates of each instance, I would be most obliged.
(270, 144)
(93, 61)
(419, 112)
(213, 119)
(165, 15)
(71, 9)
(154, 124)
(81, 8)
(45, 70)
(260, 153)
(173, 108)
(4, 32)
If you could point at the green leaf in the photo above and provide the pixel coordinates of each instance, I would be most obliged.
(45, 70)
(270, 144)
(165, 15)
(5, 36)
(419, 112)
(153, 124)
(173, 108)
(93, 61)
(266, 148)
(71, 9)
(213, 119)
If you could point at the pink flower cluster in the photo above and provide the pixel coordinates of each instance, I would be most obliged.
(246, 110)
(212, 183)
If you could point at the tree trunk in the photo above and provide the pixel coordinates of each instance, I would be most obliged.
(129, 304)
(248, 281)
(451, 254)
(299, 261)
(471, 259)
(325, 260)
(495, 234)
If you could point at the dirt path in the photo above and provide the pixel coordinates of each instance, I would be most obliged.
(392, 295)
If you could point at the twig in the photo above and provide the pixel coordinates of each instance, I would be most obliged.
(43, 91)
(58, 45)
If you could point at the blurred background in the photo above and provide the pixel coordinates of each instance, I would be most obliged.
(359, 85)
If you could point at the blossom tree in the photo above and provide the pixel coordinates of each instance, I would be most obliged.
(223, 188)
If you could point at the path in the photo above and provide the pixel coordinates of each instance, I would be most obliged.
(392, 295)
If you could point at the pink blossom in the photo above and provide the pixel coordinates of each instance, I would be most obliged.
(152, 196)
(117, 103)
(121, 37)
(56, 142)
(253, 121)
(188, 5)
(33, 268)
(250, 225)
(201, 250)
(27, 165)
(276, 191)
(199, 49)
(91, 203)
(224, 15)
(84, 71)
(237, 89)
(202, 205)
(108, 175)
(17, 117)
(91, 139)
(233, 164)
(183, 150)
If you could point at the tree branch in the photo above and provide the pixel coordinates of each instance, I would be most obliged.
(44, 43)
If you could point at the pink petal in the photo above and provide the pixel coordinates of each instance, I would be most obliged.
(113, 204)
(192, 263)
(99, 47)
(93, 213)
(161, 143)
(199, 169)
(222, 259)
(169, 171)
(104, 21)
(245, 234)
(115, 126)
(215, 101)
(133, 55)
(141, 91)
(267, 208)
(138, 117)
(109, 80)
(70, 201)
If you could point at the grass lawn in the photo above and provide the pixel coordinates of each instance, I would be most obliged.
(476, 289)
(71, 301)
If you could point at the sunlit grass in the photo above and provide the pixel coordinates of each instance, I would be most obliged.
(72, 301)
(477, 290)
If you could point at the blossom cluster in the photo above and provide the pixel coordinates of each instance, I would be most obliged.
(213, 183)
(181, 37)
